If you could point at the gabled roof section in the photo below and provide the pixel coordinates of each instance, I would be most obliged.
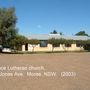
(57, 36)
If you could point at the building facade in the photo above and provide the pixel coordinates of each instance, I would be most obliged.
(46, 47)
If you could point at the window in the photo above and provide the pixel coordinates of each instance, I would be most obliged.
(43, 43)
(67, 45)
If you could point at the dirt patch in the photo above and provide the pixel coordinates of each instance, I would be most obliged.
(55, 64)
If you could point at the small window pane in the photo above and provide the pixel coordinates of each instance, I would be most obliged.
(43, 44)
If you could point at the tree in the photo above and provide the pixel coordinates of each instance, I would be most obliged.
(54, 32)
(87, 45)
(57, 42)
(61, 33)
(54, 42)
(18, 41)
(81, 33)
(33, 42)
(8, 29)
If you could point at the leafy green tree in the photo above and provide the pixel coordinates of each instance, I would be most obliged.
(54, 42)
(87, 45)
(82, 43)
(61, 33)
(8, 29)
(33, 42)
(57, 42)
(54, 32)
(81, 33)
(18, 41)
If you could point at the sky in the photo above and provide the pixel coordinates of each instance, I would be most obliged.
(44, 16)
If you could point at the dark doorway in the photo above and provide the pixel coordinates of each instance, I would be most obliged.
(26, 47)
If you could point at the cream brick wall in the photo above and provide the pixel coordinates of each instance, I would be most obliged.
(23, 47)
(49, 48)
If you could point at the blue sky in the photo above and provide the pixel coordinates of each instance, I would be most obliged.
(43, 16)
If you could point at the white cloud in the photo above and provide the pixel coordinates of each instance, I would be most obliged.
(39, 26)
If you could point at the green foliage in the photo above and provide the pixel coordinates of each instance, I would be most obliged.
(68, 41)
(88, 41)
(54, 42)
(8, 21)
(82, 42)
(87, 45)
(18, 41)
(54, 32)
(34, 41)
(61, 33)
(81, 33)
